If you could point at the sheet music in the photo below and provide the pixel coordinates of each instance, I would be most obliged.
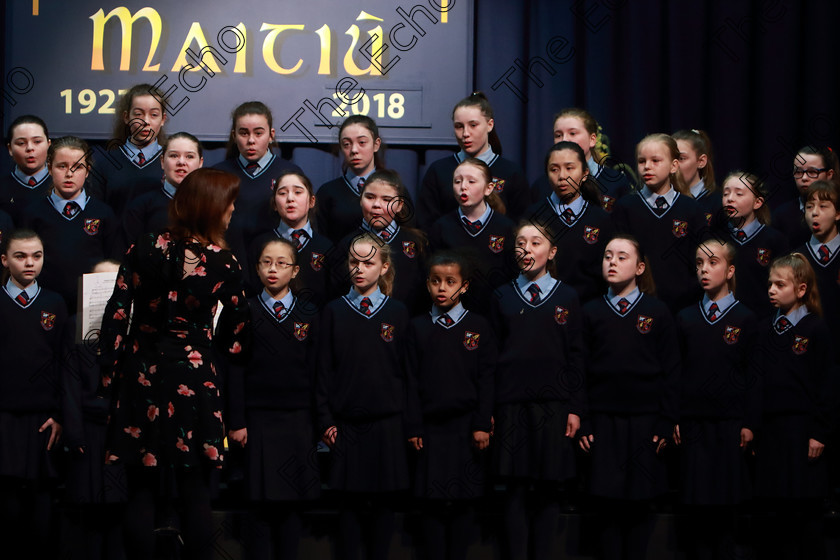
(94, 291)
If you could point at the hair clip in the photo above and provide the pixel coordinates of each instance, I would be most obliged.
(829, 148)
(695, 131)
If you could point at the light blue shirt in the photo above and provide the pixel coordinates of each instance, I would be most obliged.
(455, 312)
(353, 179)
(59, 203)
(285, 231)
(631, 297)
(723, 303)
(796, 315)
(545, 283)
(832, 245)
(149, 151)
(651, 196)
(168, 189)
(263, 162)
(286, 300)
(749, 230)
(488, 156)
(24, 178)
(484, 217)
(576, 205)
(377, 298)
(699, 189)
(13, 290)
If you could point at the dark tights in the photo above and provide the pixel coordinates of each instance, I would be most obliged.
(625, 527)
(26, 520)
(145, 501)
(542, 522)
(365, 513)
(273, 531)
(448, 529)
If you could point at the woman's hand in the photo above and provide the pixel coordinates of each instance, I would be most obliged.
(481, 440)
(416, 442)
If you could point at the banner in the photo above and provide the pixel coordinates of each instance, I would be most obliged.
(313, 63)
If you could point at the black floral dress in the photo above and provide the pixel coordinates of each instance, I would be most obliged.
(166, 409)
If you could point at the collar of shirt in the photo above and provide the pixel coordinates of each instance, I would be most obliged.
(391, 228)
(487, 157)
(353, 179)
(631, 297)
(59, 203)
(576, 205)
(484, 217)
(168, 189)
(285, 231)
(594, 168)
(797, 315)
(801, 204)
(24, 178)
(651, 196)
(285, 300)
(376, 298)
(455, 312)
(832, 245)
(545, 283)
(699, 189)
(748, 229)
(149, 150)
(262, 162)
(14, 291)
(723, 303)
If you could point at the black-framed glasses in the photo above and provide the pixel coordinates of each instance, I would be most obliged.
(812, 172)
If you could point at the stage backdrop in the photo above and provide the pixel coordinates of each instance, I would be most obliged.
(312, 62)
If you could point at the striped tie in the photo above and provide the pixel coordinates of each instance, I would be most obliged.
(22, 298)
(825, 254)
(364, 306)
(32, 182)
(279, 309)
(252, 168)
(713, 311)
(446, 320)
(141, 159)
(623, 304)
(534, 290)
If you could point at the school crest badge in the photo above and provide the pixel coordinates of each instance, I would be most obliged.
(731, 334)
(708, 218)
(644, 324)
(561, 315)
(301, 330)
(47, 320)
(679, 228)
(471, 340)
(386, 331)
(763, 256)
(91, 226)
(409, 249)
(497, 243)
(590, 234)
(316, 261)
(498, 184)
(607, 202)
(800, 344)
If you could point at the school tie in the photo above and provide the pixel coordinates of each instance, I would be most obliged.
(472, 227)
(279, 309)
(252, 168)
(360, 184)
(825, 254)
(71, 209)
(445, 320)
(385, 235)
(623, 304)
(141, 159)
(568, 215)
(741, 236)
(22, 298)
(32, 182)
(661, 205)
(297, 236)
(713, 311)
(364, 306)
(782, 324)
(534, 290)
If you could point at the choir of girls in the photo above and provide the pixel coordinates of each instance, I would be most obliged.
(583, 333)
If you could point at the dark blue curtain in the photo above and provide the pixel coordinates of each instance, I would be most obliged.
(761, 77)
